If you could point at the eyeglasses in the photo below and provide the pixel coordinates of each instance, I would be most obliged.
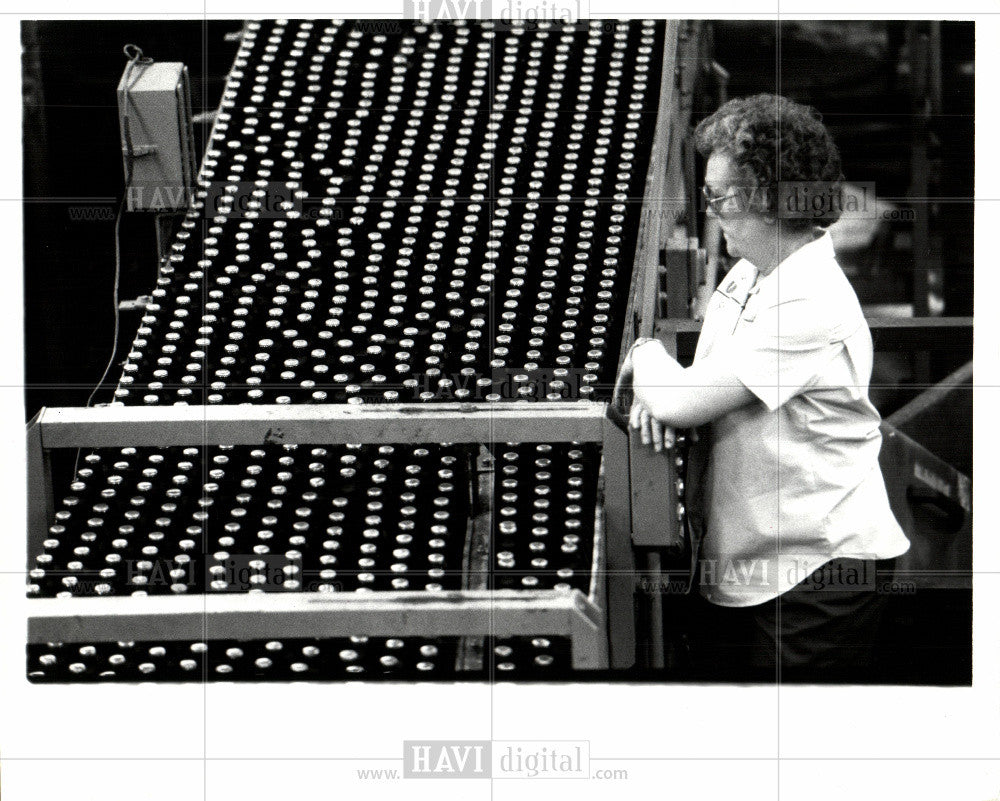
(714, 201)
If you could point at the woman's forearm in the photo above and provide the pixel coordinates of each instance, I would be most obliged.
(684, 397)
(659, 384)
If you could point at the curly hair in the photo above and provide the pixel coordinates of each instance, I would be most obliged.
(783, 152)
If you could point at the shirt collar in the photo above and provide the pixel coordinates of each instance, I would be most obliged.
(791, 279)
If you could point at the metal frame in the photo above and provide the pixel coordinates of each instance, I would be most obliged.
(668, 264)
(463, 613)
(663, 200)
(589, 623)
(506, 613)
(165, 426)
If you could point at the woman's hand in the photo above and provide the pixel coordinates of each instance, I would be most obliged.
(651, 431)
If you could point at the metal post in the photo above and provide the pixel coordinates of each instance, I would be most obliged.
(41, 507)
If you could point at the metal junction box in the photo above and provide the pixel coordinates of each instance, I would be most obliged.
(158, 107)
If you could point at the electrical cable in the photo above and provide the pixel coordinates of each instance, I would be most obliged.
(135, 57)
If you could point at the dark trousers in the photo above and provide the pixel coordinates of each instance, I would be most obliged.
(817, 632)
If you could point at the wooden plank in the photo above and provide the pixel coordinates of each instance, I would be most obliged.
(507, 613)
(517, 421)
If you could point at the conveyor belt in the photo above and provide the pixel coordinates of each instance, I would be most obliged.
(440, 211)
(275, 519)
(315, 519)
(448, 212)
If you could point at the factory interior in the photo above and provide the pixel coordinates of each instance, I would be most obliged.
(323, 319)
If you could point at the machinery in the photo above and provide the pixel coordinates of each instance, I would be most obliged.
(366, 426)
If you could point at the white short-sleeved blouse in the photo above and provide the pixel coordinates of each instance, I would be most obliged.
(793, 480)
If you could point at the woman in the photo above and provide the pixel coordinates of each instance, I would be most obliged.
(796, 518)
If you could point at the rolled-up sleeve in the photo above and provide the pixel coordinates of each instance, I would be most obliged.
(783, 350)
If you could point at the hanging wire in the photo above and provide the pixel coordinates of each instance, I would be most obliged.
(135, 58)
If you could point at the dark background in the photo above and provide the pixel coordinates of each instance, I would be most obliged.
(72, 157)
(857, 74)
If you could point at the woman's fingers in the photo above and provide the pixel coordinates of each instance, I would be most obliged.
(633, 417)
(656, 433)
(651, 431)
(669, 437)
(664, 437)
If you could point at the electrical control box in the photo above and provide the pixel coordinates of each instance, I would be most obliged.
(157, 105)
